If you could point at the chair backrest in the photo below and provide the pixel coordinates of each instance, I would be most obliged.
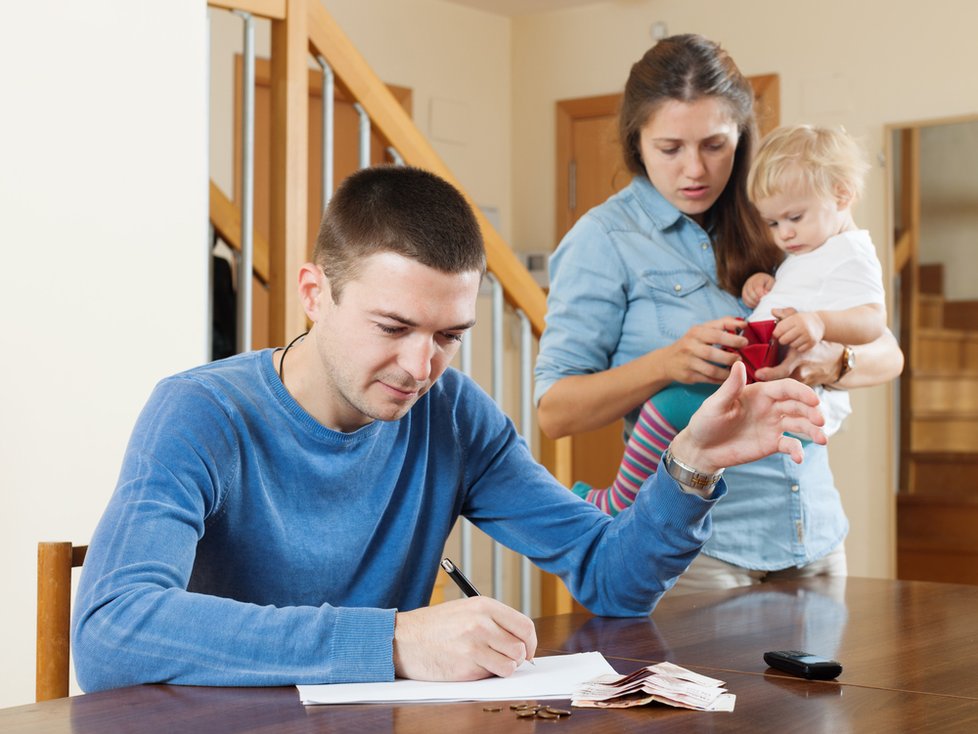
(54, 564)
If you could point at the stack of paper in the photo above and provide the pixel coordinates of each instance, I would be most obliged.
(664, 682)
(549, 677)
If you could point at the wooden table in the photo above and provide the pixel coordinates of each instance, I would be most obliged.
(908, 649)
(900, 635)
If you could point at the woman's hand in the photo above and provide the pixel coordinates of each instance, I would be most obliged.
(698, 356)
(579, 403)
(877, 362)
(820, 365)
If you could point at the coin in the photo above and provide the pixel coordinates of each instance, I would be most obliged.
(559, 712)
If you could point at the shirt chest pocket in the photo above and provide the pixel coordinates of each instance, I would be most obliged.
(681, 299)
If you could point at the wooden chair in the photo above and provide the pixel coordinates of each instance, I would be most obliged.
(54, 564)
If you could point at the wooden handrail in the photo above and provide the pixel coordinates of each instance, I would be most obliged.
(327, 39)
(902, 251)
(226, 218)
(274, 9)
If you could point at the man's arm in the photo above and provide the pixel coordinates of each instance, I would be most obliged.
(135, 620)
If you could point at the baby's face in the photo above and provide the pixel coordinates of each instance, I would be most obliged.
(801, 221)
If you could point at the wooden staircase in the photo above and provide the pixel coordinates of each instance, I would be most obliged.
(937, 506)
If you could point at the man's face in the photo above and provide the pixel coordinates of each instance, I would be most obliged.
(394, 331)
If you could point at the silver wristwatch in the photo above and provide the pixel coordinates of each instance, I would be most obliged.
(688, 476)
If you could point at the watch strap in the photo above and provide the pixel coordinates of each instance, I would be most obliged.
(848, 361)
(687, 476)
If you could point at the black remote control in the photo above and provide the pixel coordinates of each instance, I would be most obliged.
(803, 664)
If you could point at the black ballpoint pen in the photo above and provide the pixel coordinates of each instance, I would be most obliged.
(464, 585)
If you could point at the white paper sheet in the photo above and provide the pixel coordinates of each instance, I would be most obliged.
(551, 677)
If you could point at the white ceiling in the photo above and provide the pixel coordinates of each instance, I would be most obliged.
(522, 7)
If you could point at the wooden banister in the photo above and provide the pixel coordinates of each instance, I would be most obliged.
(226, 218)
(327, 39)
(274, 9)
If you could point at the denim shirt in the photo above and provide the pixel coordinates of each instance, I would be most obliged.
(633, 275)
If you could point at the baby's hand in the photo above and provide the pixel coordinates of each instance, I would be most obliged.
(757, 286)
(799, 330)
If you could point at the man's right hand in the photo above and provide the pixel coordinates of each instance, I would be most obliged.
(465, 639)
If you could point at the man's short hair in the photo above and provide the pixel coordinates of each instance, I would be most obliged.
(399, 209)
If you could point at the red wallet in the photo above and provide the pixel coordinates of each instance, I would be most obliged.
(762, 349)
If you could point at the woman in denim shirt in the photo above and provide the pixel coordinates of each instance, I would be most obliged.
(645, 292)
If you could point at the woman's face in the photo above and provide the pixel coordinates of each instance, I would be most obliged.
(688, 151)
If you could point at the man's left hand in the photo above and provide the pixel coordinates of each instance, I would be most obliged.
(741, 423)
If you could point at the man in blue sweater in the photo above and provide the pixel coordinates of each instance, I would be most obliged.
(280, 515)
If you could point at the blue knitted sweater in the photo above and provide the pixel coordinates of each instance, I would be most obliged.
(246, 544)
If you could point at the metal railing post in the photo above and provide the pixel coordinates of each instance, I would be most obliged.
(497, 395)
(246, 262)
(328, 128)
(526, 430)
(395, 156)
(364, 135)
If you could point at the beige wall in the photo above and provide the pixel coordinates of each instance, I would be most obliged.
(862, 64)
(103, 200)
(949, 204)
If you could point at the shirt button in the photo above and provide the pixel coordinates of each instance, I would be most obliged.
(794, 487)
(704, 245)
(677, 287)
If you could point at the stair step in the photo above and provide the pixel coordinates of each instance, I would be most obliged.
(961, 314)
(936, 538)
(930, 311)
(947, 475)
(945, 350)
(932, 393)
(943, 432)
(930, 278)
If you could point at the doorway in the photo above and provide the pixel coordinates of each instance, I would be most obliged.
(934, 201)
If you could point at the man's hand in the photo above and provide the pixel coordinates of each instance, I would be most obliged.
(800, 331)
(465, 639)
(741, 423)
(755, 288)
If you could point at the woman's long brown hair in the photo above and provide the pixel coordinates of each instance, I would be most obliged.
(686, 68)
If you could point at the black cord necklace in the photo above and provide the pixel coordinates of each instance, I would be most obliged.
(281, 364)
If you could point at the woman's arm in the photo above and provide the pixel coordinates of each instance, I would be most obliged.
(877, 362)
(578, 403)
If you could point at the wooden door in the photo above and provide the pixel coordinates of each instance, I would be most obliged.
(346, 161)
(589, 170)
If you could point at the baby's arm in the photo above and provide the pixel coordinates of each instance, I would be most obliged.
(755, 288)
(856, 325)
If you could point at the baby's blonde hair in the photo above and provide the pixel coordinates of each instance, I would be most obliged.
(827, 161)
